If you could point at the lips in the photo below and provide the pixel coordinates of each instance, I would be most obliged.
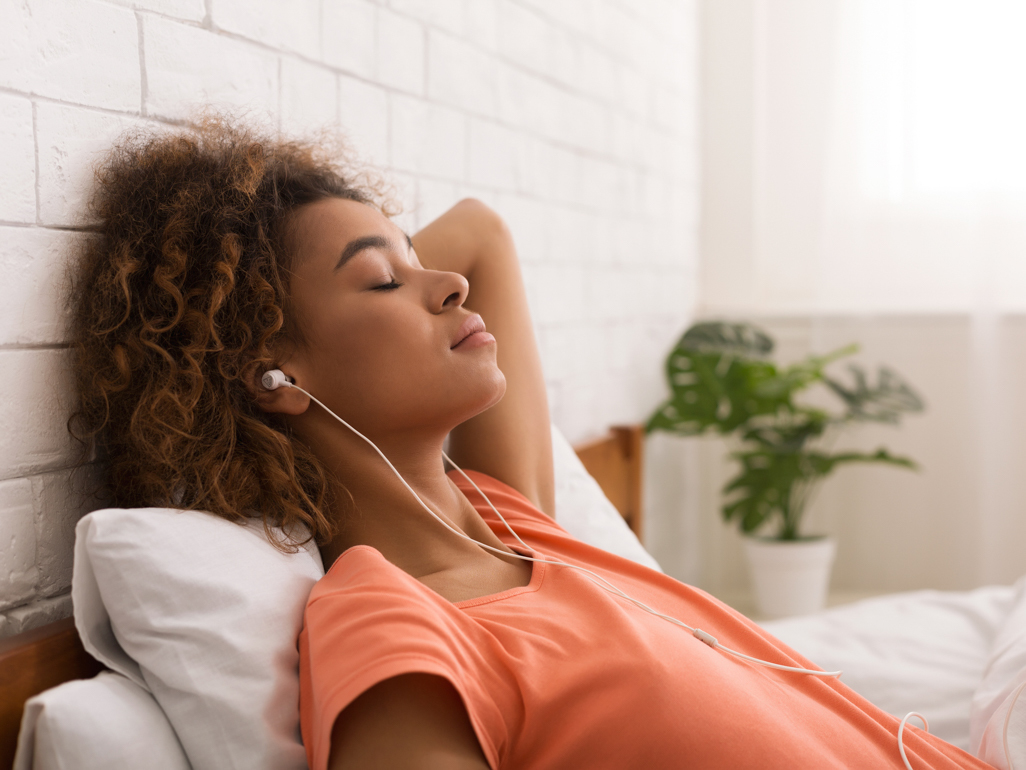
(472, 325)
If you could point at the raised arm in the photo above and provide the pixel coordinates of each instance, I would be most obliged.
(511, 441)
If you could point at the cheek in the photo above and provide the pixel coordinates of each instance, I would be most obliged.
(378, 357)
(405, 387)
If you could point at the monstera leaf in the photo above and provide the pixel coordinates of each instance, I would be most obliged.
(886, 402)
(789, 436)
(804, 373)
(736, 339)
(710, 391)
(775, 483)
(716, 375)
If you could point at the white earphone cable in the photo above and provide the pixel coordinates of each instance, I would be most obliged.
(901, 733)
(698, 633)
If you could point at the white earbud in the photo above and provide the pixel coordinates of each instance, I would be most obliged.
(274, 379)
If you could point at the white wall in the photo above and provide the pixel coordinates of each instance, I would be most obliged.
(574, 119)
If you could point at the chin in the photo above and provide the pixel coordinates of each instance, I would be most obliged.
(451, 408)
(490, 396)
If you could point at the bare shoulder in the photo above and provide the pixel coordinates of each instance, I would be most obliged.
(512, 441)
(415, 721)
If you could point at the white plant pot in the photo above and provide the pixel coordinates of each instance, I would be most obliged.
(790, 577)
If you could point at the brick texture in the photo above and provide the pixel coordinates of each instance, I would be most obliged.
(18, 160)
(80, 51)
(574, 119)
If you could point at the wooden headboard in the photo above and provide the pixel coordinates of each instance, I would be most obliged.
(45, 657)
(615, 461)
(32, 662)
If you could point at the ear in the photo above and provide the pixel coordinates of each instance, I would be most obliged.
(278, 401)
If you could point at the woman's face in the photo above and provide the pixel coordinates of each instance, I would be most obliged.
(378, 329)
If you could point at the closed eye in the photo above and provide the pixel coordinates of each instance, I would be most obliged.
(388, 286)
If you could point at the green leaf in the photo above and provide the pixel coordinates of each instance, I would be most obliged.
(720, 391)
(737, 339)
(762, 486)
(886, 402)
(804, 373)
(790, 433)
(670, 418)
(879, 456)
(766, 483)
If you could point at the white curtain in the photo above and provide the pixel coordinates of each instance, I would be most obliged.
(926, 174)
(888, 181)
(890, 162)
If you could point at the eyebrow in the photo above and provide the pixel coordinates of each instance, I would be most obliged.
(357, 245)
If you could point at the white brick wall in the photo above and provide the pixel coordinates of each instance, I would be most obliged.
(74, 50)
(17, 159)
(575, 119)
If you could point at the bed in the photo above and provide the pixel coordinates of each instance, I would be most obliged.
(958, 658)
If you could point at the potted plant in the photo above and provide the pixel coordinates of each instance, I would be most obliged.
(722, 381)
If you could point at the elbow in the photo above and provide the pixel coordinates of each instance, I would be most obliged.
(485, 220)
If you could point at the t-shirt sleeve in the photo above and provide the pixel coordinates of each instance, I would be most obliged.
(364, 624)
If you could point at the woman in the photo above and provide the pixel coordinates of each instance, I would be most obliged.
(223, 255)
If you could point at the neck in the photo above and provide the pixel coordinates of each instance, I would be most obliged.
(373, 507)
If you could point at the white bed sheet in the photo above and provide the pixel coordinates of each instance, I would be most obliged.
(922, 651)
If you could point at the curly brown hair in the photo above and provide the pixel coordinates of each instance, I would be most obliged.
(183, 296)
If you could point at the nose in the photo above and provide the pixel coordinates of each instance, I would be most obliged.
(451, 290)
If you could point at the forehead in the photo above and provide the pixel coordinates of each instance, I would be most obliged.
(331, 223)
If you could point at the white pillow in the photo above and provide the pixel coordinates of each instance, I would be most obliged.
(1005, 672)
(585, 512)
(104, 723)
(205, 615)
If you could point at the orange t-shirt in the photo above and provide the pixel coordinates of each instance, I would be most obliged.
(561, 673)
